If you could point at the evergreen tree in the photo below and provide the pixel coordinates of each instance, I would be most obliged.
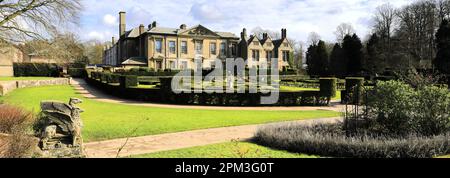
(442, 61)
(353, 52)
(322, 59)
(374, 63)
(317, 59)
(310, 61)
(338, 62)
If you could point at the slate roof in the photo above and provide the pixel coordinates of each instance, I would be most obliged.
(174, 31)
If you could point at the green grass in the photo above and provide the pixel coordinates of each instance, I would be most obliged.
(23, 78)
(295, 89)
(104, 121)
(226, 150)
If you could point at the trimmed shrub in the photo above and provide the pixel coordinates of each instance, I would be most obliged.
(36, 69)
(330, 140)
(104, 76)
(127, 81)
(328, 87)
(113, 78)
(76, 72)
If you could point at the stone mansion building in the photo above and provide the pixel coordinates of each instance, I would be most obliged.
(176, 48)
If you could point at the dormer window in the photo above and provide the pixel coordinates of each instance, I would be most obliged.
(269, 44)
(286, 44)
(256, 43)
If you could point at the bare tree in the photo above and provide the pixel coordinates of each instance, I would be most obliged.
(62, 48)
(21, 20)
(313, 38)
(342, 30)
(443, 8)
(418, 25)
(258, 31)
(93, 50)
(384, 20)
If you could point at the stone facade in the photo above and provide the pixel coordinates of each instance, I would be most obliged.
(8, 55)
(176, 48)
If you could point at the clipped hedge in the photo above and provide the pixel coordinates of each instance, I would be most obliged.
(76, 72)
(127, 81)
(36, 69)
(328, 87)
(160, 95)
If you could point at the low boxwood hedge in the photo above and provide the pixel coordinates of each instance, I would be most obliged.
(127, 81)
(76, 72)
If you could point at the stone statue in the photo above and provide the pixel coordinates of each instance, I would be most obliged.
(60, 125)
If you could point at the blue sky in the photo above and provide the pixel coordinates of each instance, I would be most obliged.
(99, 19)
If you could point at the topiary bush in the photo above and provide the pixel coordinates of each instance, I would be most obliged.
(76, 72)
(127, 81)
(113, 78)
(328, 87)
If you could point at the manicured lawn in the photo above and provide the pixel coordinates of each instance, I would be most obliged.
(294, 89)
(104, 121)
(226, 150)
(23, 78)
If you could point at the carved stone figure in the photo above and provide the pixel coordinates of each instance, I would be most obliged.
(60, 126)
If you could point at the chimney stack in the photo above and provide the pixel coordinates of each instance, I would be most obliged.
(265, 36)
(283, 33)
(122, 23)
(141, 29)
(113, 40)
(154, 24)
(244, 33)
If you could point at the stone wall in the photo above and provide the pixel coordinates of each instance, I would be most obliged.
(6, 87)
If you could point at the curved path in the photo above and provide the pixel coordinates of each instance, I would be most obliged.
(172, 141)
(92, 93)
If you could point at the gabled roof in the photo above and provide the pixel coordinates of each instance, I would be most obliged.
(252, 38)
(263, 41)
(132, 33)
(277, 43)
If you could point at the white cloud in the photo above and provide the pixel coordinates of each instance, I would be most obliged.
(299, 16)
(110, 20)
